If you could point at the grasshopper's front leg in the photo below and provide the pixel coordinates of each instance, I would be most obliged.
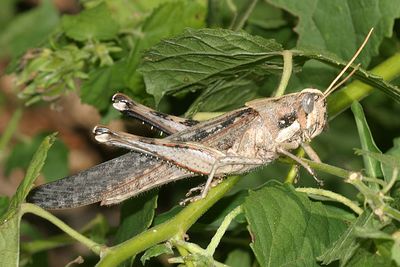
(194, 157)
(165, 123)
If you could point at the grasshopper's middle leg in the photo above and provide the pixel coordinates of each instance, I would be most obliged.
(302, 163)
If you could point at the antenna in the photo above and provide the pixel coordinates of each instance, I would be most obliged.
(332, 86)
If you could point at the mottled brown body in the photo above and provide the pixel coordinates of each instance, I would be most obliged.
(241, 140)
(233, 143)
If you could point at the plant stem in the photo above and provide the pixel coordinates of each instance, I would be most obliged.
(222, 229)
(391, 212)
(342, 99)
(332, 195)
(336, 171)
(93, 246)
(243, 18)
(293, 172)
(177, 225)
(286, 73)
(356, 90)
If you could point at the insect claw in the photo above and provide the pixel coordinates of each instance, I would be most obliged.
(195, 189)
(319, 181)
(190, 200)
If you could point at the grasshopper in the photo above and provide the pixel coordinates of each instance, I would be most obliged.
(233, 143)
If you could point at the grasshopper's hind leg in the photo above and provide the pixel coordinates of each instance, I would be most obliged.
(229, 161)
(165, 123)
(212, 180)
(194, 157)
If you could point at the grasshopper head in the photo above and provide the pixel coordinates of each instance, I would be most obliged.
(312, 113)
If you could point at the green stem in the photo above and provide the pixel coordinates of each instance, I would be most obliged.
(332, 195)
(176, 241)
(36, 246)
(336, 171)
(286, 73)
(243, 18)
(232, 8)
(293, 172)
(356, 90)
(392, 181)
(222, 229)
(93, 246)
(47, 243)
(391, 212)
(177, 225)
(194, 249)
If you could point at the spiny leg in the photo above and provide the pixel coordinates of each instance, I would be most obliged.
(221, 162)
(302, 163)
(190, 195)
(194, 157)
(311, 152)
(165, 123)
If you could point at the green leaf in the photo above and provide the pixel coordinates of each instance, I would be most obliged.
(29, 29)
(32, 173)
(238, 258)
(372, 166)
(213, 218)
(340, 26)
(267, 16)
(10, 221)
(395, 251)
(214, 97)
(130, 14)
(361, 74)
(163, 217)
(102, 84)
(9, 241)
(95, 23)
(369, 233)
(52, 170)
(167, 20)
(97, 229)
(394, 152)
(7, 12)
(4, 202)
(155, 251)
(385, 159)
(345, 247)
(57, 167)
(136, 216)
(287, 228)
(10, 129)
(365, 258)
(199, 58)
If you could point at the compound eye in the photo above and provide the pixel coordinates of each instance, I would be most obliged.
(308, 103)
